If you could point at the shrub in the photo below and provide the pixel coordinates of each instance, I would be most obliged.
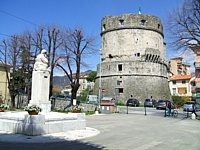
(178, 100)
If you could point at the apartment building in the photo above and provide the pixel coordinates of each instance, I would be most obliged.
(181, 81)
(182, 85)
(177, 67)
(84, 84)
(196, 50)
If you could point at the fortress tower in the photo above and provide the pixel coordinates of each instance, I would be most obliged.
(133, 56)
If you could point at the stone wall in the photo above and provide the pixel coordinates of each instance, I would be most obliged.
(62, 104)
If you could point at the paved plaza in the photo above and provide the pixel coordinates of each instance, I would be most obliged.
(116, 132)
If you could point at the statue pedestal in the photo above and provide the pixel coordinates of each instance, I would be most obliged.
(40, 90)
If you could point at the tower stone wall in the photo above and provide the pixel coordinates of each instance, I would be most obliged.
(133, 55)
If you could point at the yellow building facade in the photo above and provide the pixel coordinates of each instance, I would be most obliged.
(4, 91)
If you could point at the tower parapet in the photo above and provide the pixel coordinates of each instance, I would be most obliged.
(131, 21)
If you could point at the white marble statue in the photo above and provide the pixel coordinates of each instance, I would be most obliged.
(41, 83)
(41, 62)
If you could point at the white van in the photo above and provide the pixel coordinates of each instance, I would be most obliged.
(92, 99)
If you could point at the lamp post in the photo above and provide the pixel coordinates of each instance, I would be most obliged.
(99, 98)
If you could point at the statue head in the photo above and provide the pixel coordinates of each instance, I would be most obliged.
(43, 51)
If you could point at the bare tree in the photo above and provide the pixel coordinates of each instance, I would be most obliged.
(183, 25)
(53, 42)
(76, 46)
(10, 51)
(27, 60)
(49, 38)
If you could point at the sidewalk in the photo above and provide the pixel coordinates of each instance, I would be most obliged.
(116, 132)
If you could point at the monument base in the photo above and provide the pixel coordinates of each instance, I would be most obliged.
(32, 125)
(40, 90)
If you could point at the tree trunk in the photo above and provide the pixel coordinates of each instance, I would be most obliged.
(12, 101)
(75, 88)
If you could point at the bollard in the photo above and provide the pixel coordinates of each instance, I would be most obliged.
(187, 112)
(127, 109)
(145, 111)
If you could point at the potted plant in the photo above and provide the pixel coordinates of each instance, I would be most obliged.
(76, 109)
(33, 109)
(3, 107)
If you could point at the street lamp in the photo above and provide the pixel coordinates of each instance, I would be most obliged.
(99, 98)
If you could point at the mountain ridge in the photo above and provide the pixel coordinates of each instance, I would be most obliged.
(62, 81)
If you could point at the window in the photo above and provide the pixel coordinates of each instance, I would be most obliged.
(121, 22)
(137, 54)
(104, 27)
(83, 87)
(174, 91)
(119, 82)
(182, 90)
(143, 22)
(83, 80)
(120, 67)
(193, 84)
(158, 26)
(183, 81)
(174, 82)
(110, 56)
(120, 90)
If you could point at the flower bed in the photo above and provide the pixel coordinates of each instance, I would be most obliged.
(76, 109)
(33, 108)
(3, 107)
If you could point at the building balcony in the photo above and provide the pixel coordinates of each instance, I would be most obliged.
(197, 65)
(184, 94)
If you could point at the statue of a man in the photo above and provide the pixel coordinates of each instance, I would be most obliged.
(41, 62)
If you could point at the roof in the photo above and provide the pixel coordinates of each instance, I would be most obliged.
(2, 64)
(82, 76)
(182, 77)
(176, 58)
(57, 89)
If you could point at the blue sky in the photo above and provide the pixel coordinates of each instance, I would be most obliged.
(70, 13)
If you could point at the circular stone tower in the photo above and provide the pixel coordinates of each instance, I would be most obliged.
(133, 56)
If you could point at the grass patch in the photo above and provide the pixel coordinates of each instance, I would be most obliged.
(86, 112)
(120, 104)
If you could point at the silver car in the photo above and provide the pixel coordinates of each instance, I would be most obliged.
(188, 106)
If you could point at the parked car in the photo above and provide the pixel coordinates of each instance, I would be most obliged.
(150, 103)
(188, 106)
(161, 104)
(132, 102)
(64, 97)
(108, 99)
